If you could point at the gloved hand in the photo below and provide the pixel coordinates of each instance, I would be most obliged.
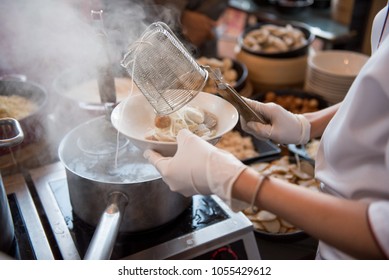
(199, 168)
(285, 127)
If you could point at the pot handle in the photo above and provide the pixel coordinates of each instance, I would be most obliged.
(104, 238)
(11, 125)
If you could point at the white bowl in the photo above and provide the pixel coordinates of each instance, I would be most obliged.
(134, 118)
(338, 62)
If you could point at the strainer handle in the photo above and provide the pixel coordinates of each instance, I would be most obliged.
(230, 94)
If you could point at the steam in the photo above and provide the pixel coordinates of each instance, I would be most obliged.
(42, 38)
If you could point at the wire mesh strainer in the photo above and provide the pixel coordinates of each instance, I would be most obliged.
(169, 77)
(163, 70)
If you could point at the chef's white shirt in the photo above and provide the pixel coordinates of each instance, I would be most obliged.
(353, 156)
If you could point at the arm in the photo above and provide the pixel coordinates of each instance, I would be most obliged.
(320, 119)
(339, 222)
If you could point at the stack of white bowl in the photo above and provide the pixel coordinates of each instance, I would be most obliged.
(330, 73)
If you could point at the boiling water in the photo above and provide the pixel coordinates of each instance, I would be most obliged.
(130, 167)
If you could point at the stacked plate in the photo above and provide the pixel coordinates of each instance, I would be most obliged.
(330, 73)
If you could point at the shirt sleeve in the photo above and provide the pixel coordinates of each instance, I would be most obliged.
(378, 214)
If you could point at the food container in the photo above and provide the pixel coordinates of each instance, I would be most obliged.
(294, 100)
(234, 73)
(275, 69)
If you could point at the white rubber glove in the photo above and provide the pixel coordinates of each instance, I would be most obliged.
(285, 127)
(199, 168)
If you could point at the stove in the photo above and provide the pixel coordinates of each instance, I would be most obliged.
(32, 242)
(208, 229)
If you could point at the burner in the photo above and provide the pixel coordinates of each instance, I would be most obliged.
(203, 212)
(206, 229)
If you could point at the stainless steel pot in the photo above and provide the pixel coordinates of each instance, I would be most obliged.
(113, 187)
(33, 125)
(7, 237)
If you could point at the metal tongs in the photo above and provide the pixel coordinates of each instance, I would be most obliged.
(230, 94)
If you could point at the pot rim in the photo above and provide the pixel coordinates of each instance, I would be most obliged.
(73, 133)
